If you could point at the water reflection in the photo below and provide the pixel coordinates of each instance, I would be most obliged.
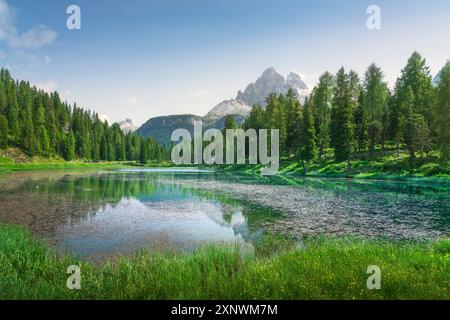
(98, 215)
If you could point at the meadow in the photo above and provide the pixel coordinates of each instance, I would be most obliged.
(324, 268)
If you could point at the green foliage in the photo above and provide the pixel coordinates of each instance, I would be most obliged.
(443, 112)
(342, 137)
(374, 103)
(320, 269)
(308, 147)
(41, 125)
(322, 98)
(3, 132)
(361, 125)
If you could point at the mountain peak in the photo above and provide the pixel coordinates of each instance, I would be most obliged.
(127, 126)
(225, 108)
(272, 82)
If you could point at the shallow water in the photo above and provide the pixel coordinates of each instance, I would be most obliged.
(99, 215)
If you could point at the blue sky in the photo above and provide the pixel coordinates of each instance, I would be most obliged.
(141, 58)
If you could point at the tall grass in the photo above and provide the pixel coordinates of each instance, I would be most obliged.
(323, 269)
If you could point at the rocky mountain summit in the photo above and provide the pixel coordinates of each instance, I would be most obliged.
(269, 82)
(127, 126)
(272, 82)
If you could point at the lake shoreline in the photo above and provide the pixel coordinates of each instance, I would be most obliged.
(8, 168)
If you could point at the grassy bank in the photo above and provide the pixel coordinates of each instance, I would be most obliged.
(324, 269)
(383, 167)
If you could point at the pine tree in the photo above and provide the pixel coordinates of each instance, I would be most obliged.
(308, 136)
(230, 122)
(143, 156)
(361, 125)
(12, 113)
(3, 132)
(70, 147)
(322, 101)
(375, 99)
(443, 110)
(342, 128)
(292, 119)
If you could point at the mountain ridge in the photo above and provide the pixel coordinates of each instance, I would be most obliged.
(269, 82)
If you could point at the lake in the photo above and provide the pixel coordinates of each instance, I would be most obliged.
(97, 216)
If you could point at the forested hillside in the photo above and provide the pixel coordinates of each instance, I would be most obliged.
(40, 124)
(357, 118)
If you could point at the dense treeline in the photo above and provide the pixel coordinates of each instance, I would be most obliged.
(353, 117)
(40, 124)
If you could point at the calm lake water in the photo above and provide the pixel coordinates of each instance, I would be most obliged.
(99, 215)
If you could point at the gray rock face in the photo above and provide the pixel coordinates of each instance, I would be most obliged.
(127, 126)
(272, 82)
(225, 108)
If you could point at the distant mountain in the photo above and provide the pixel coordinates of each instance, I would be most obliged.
(127, 126)
(437, 78)
(161, 128)
(270, 81)
(225, 108)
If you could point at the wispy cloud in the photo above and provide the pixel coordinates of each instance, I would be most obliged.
(36, 37)
(197, 94)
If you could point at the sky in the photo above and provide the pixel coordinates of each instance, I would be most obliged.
(142, 58)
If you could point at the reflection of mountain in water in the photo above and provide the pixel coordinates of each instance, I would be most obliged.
(109, 212)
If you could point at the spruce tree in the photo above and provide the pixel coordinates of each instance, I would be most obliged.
(70, 147)
(342, 117)
(361, 125)
(375, 99)
(443, 112)
(3, 132)
(322, 101)
(143, 156)
(308, 136)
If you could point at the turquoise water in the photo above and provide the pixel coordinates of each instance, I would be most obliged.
(100, 215)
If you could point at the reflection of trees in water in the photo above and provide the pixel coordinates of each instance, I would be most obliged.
(45, 204)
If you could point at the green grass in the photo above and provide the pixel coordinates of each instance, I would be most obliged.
(10, 166)
(324, 269)
(57, 165)
(386, 166)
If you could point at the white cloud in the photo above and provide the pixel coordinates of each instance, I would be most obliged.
(49, 86)
(197, 94)
(35, 37)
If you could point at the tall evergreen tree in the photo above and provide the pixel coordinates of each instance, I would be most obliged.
(443, 110)
(308, 148)
(375, 99)
(322, 101)
(342, 116)
(3, 132)
(361, 125)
